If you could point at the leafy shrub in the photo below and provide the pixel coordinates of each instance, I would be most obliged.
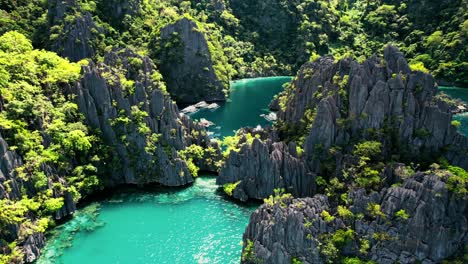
(230, 187)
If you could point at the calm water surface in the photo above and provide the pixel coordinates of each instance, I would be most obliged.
(248, 100)
(462, 94)
(193, 225)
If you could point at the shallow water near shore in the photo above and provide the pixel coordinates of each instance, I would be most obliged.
(462, 94)
(195, 225)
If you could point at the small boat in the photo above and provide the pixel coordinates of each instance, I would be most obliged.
(206, 123)
(201, 104)
(213, 106)
(189, 110)
(270, 117)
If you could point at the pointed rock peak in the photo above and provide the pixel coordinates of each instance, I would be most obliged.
(57, 9)
(396, 62)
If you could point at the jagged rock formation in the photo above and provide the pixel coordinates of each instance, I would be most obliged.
(13, 187)
(334, 105)
(73, 32)
(127, 104)
(265, 165)
(137, 135)
(116, 11)
(384, 97)
(187, 64)
(432, 228)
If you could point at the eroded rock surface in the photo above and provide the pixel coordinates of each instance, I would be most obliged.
(137, 118)
(434, 227)
(263, 166)
(73, 32)
(188, 65)
(331, 106)
(14, 188)
(383, 97)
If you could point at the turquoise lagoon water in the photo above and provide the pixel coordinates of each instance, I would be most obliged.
(193, 225)
(462, 94)
(248, 100)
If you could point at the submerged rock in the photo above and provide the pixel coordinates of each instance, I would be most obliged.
(421, 221)
(188, 65)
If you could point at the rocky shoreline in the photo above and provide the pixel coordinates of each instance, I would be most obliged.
(419, 221)
(343, 128)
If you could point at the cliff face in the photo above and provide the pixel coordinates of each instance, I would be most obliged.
(123, 129)
(188, 64)
(117, 11)
(379, 99)
(432, 227)
(265, 165)
(73, 32)
(123, 98)
(332, 106)
(13, 188)
(356, 120)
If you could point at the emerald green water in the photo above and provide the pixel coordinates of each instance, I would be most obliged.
(193, 225)
(462, 94)
(249, 98)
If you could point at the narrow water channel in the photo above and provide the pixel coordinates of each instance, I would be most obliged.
(193, 225)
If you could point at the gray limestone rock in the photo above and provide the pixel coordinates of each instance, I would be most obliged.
(106, 99)
(13, 187)
(434, 229)
(188, 66)
(262, 167)
(73, 32)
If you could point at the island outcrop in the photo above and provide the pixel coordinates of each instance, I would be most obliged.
(261, 165)
(355, 124)
(72, 129)
(422, 220)
(331, 108)
(136, 116)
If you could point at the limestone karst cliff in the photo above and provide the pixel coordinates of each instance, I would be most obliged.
(70, 130)
(72, 32)
(264, 165)
(124, 100)
(188, 64)
(357, 123)
(331, 107)
(419, 221)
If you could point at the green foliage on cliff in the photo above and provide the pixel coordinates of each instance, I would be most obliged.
(229, 188)
(39, 121)
(191, 155)
(274, 36)
(279, 196)
(457, 180)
